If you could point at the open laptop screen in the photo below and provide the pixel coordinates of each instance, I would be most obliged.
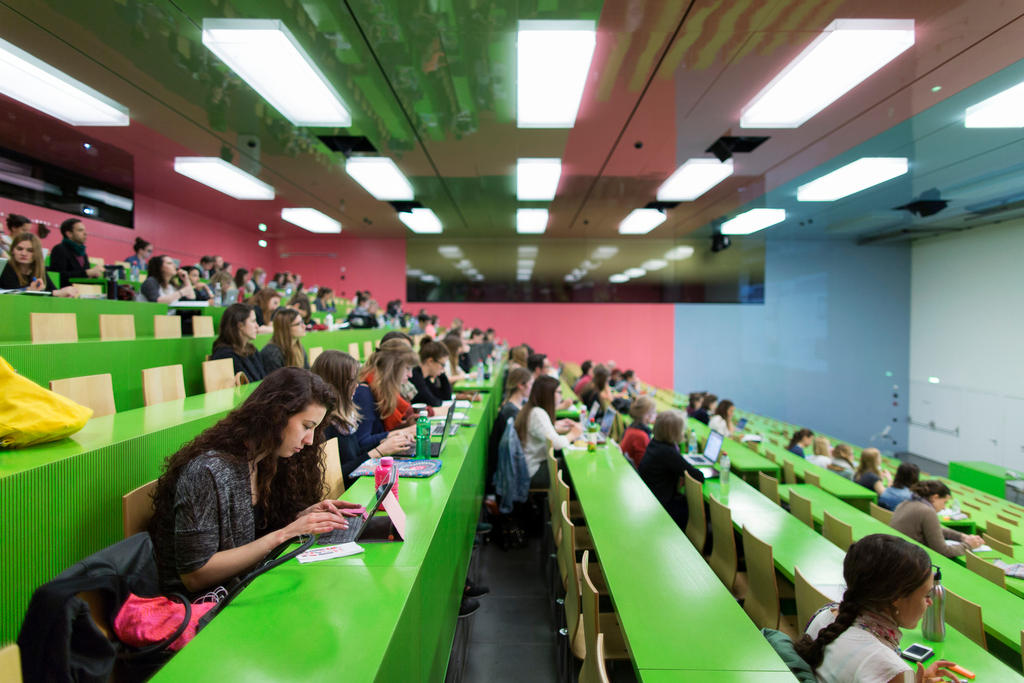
(713, 446)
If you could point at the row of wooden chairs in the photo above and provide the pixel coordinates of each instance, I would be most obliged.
(52, 328)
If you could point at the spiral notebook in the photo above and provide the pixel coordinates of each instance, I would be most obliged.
(416, 469)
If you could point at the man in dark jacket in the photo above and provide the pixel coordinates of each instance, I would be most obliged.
(69, 258)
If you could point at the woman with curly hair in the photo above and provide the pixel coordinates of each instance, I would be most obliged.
(888, 587)
(246, 485)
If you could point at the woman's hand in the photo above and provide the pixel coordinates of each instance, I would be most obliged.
(314, 523)
(67, 292)
(342, 507)
(935, 673)
(187, 292)
(36, 285)
(575, 431)
(396, 441)
(973, 541)
(564, 425)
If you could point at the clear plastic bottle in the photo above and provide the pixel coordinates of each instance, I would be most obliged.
(723, 472)
(933, 624)
(217, 298)
(691, 445)
(423, 435)
(383, 471)
(583, 418)
(135, 273)
(329, 321)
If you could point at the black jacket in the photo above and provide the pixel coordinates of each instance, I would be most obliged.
(65, 262)
(662, 467)
(432, 392)
(251, 365)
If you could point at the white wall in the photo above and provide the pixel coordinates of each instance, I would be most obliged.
(967, 329)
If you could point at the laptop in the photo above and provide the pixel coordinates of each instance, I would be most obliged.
(435, 446)
(742, 423)
(358, 525)
(439, 427)
(706, 462)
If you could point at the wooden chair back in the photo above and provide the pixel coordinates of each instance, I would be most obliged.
(768, 453)
(808, 600)
(202, 326)
(723, 558)
(53, 328)
(997, 545)
(117, 327)
(999, 532)
(91, 391)
(218, 374)
(769, 486)
(552, 464)
(163, 383)
(573, 622)
(788, 472)
(88, 289)
(697, 521)
(762, 601)
(602, 671)
(965, 616)
(880, 513)
(800, 507)
(1011, 521)
(353, 350)
(812, 478)
(840, 533)
(10, 663)
(334, 480)
(137, 508)
(590, 601)
(166, 327)
(367, 349)
(314, 353)
(986, 569)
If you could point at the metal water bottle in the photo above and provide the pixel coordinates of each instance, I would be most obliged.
(933, 625)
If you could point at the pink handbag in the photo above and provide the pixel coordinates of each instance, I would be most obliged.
(142, 622)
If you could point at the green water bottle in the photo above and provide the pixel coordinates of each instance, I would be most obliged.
(423, 435)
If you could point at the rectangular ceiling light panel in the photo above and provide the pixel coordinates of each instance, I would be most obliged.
(537, 179)
(265, 54)
(854, 177)
(531, 221)
(311, 219)
(221, 176)
(422, 221)
(752, 221)
(552, 62)
(844, 55)
(693, 179)
(37, 84)
(1005, 110)
(380, 177)
(641, 221)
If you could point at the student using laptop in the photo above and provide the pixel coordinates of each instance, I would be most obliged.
(432, 385)
(381, 407)
(246, 485)
(722, 421)
(638, 434)
(537, 428)
(662, 467)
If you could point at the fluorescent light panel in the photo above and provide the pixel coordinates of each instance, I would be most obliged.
(527, 251)
(693, 179)
(654, 264)
(265, 54)
(618, 278)
(634, 272)
(311, 219)
(33, 82)
(380, 177)
(421, 221)
(553, 59)
(604, 252)
(537, 179)
(450, 251)
(218, 174)
(752, 221)
(854, 177)
(683, 251)
(641, 221)
(531, 221)
(844, 55)
(1005, 110)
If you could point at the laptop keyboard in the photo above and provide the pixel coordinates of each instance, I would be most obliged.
(342, 535)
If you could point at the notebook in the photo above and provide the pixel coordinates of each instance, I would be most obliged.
(411, 469)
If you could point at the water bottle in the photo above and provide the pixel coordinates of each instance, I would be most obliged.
(383, 472)
(329, 321)
(954, 506)
(217, 300)
(583, 418)
(480, 371)
(592, 430)
(135, 273)
(691, 445)
(723, 473)
(423, 434)
(933, 625)
(489, 369)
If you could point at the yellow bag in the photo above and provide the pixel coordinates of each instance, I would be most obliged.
(30, 414)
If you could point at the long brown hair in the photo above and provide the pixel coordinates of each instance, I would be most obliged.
(341, 371)
(261, 299)
(388, 365)
(37, 267)
(290, 345)
(541, 396)
(234, 315)
(285, 486)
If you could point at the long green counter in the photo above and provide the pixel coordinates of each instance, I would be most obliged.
(838, 486)
(983, 476)
(16, 310)
(742, 460)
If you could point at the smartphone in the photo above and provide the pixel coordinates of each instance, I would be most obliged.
(917, 653)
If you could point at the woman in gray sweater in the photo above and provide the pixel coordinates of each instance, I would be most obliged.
(918, 518)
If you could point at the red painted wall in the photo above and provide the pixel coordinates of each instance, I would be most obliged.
(638, 336)
(365, 263)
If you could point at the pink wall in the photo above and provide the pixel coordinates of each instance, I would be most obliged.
(638, 336)
(365, 263)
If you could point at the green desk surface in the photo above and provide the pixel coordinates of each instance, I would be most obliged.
(705, 676)
(984, 476)
(838, 486)
(991, 469)
(1002, 611)
(742, 460)
(472, 384)
(662, 588)
(16, 312)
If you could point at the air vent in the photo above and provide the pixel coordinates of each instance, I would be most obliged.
(348, 144)
(727, 145)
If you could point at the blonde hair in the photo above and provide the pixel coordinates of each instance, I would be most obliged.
(290, 345)
(388, 365)
(669, 426)
(37, 267)
(870, 459)
(820, 445)
(641, 408)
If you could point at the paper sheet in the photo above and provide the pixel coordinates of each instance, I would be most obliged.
(328, 552)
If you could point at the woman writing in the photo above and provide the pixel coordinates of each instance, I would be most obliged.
(237, 330)
(801, 439)
(869, 472)
(888, 587)
(538, 430)
(285, 348)
(918, 518)
(455, 347)
(381, 407)
(722, 421)
(246, 485)
(432, 385)
(166, 283)
(638, 435)
(26, 268)
(907, 475)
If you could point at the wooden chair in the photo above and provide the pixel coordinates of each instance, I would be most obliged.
(800, 508)
(769, 486)
(723, 558)
(164, 383)
(697, 521)
(965, 616)
(202, 326)
(595, 622)
(10, 663)
(334, 480)
(986, 569)
(314, 353)
(812, 478)
(768, 453)
(117, 327)
(602, 672)
(166, 327)
(53, 328)
(788, 472)
(137, 508)
(367, 349)
(997, 545)
(880, 513)
(353, 350)
(219, 374)
(840, 533)
(999, 532)
(573, 590)
(91, 391)
(86, 289)
(762, 601)
(569, 549)
(581, 534)
(808, 600)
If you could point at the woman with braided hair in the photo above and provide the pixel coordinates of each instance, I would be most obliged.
(888, 587)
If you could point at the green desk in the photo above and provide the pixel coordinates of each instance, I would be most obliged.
(984, 476)
(742, 460)
(840, 487)
(137, 286)
(663, 590)
(16, 312)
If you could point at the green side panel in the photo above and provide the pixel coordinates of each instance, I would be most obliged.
(15, 311)
(980, 475)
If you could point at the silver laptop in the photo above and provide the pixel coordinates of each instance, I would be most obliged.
(705, 463)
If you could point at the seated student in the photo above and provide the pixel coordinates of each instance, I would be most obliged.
(693, 403)
(662, 467)
(638, 434)
(206, 266)
(800, 440)
(237, 330)
(432, 385)
(265, 302)
(246, 485)
(537, 363)
(143, 252)
(324, 302)
(382, 409)
(821, 452)
(199, 288)
(242, 280)
(16, 225)
(518, 357)
(478, 349)
(888, 587)
(451, 369)
(222, 282)
(585, 378)
(165, 283)
(907, 474)
(285, 348)
(300, 302)
(597, 391)
(26, 268)
(627, 385)
(842, 460)
(919, 519)
(255, 283)
(68, 258)
(869, 472)
(722, 421)
(341, 371)
(707, 408)
(538, 430)
(517, 390)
